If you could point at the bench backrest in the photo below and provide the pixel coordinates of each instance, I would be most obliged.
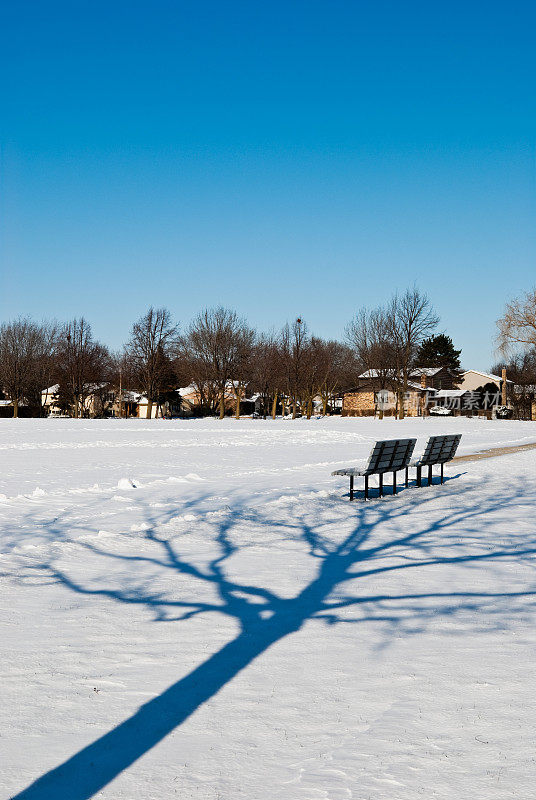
(440, 449)
(390, 455)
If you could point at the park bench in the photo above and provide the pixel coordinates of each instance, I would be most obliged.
(390, 455)
(438, 450)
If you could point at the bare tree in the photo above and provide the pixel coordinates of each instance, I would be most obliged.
(269, 372)
(220, 344)
(517, 326)
(196, 371)
(244, 363)
(153, 341)
(324, 368)
(45, 366)
(82, 363)
(205, 387)
(26, 350)
(411, 319)
(370, 334)
(294, 343)
(311, 374)
(336, 370)
(521, 369)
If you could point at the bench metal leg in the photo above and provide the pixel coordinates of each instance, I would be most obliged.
(419, 476)
(380, 488)
(351, 487)
(366, 487)
(394, 482)
(430, 476)
(407, 477)
(441, 472)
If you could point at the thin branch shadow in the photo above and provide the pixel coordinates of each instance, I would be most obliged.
(377, 544)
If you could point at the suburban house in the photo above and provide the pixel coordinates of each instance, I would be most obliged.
(427, 386)
(368, 398)
(473, 379)
(97, 399)
(191, 399)
(375, 392)
(50, 400)
(135, 405)
(103, 400)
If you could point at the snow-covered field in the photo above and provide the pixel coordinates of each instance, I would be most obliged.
(193, 609)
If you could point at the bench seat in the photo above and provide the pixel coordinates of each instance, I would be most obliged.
(388, 455)
(438, 450)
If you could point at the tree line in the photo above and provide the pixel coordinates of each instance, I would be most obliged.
(516, 340)
(223, 358)
(220, 356)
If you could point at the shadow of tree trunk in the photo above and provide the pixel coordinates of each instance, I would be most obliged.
(85, 773)
(81, 776)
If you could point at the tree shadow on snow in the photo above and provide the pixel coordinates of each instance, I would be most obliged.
(374, 542)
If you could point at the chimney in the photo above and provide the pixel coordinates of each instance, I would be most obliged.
(423, 380)
(503, 399)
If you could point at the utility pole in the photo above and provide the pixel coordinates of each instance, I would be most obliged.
(503, 398)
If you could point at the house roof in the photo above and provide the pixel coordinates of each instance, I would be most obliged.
(419, 388)
(411, 385)
(451, 392)
(373, 373)
(485, 375)
(427, 371)
(186, 390)
(5, 403)
(90, 388)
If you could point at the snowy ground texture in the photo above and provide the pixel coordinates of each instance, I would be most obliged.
(193, 609)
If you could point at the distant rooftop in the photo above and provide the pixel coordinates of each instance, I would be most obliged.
(488, 375)
(451, 393)
(426, 370)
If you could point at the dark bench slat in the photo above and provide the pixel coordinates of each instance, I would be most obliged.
(438, 450)
(389, 455)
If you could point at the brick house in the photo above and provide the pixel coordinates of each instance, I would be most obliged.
(374, 392)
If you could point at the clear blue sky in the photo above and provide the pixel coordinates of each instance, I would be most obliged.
(282, 158)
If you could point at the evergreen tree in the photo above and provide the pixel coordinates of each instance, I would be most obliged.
(439, 351)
